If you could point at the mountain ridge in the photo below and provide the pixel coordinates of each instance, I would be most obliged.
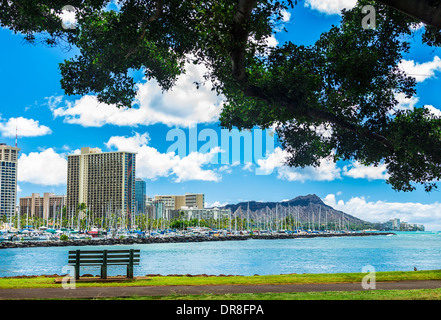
(308, 209)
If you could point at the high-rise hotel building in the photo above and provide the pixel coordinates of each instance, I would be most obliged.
(47, 206)
(8, 179)
(104, 181)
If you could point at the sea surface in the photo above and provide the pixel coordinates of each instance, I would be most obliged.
(400, 252)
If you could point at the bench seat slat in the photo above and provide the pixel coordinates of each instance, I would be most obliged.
(110, 251)
(121, 261)
(125, 261)
(127, 256)
(86, 251)
(109, 256)
(87, 261)
(94, 256)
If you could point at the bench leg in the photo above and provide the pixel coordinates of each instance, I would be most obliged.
(103, 272)
(130, 265)
(129, 271)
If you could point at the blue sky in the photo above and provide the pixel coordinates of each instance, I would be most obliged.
(51, 125)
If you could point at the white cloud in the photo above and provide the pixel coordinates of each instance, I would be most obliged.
(417, 26)
(286, 16)
(330, 6)
(358, 171)
(405, 103)
(183, 105)
(131, 144)
(248, 166)
(214, 204)
(421, 71)
(190, 167)
(326, 171)
(226, 168)
(23, 128)
(436, 112)
(44, 168)
(272, 41)
(272, 161)
(381, 211)
(152, 164)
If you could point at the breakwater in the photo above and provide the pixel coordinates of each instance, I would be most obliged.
(177, 239)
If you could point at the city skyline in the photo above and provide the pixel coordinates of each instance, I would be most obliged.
(51, 125)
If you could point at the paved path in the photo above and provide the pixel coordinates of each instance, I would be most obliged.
(96, 292)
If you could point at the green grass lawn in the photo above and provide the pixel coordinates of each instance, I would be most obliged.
(49, 282)
(432, 294)
(418, 294)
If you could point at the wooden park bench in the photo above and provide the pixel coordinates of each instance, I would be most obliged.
(104, 258)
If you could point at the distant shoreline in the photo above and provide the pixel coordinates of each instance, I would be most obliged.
(177, 239)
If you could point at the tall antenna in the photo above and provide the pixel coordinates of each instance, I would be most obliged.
(16, 136)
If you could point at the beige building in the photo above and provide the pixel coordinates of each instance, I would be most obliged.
(189, 200)
(8, 179)
(104, 181)
(46, 206)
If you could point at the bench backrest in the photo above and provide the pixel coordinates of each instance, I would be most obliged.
(100, 257)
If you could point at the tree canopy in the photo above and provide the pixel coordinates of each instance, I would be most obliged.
(333, 99)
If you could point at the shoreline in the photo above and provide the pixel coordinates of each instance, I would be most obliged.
(176, 239)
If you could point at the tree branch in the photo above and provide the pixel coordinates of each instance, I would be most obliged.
(329, 117)
(158, 12)
(240, 35)
(156, 16)
(427, 11)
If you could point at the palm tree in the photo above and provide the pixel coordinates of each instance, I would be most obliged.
(81, 207)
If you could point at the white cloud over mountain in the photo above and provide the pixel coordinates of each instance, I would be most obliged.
(326, 171)
(276, 161)
(382, 211)
(359, 171)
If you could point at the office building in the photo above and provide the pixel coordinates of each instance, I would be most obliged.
(8, 179)
(155, 209)
(104, 181)
(140, 195)
(201, 214)
(176, 202)
(47, 206)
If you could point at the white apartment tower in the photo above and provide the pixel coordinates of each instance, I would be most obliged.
(104, 181)
(8, 179)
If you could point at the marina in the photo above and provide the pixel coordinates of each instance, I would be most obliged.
(280, 221)
(44, 236)
(335, 254)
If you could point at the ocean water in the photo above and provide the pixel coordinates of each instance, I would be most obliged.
(400, 252)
